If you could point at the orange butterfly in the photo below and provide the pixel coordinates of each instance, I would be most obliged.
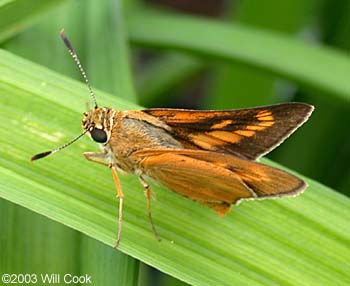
(207, 156)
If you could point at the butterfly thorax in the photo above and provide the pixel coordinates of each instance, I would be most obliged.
(120, 133)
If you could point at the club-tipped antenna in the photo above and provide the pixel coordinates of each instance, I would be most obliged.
(76, 59)
(47, 153)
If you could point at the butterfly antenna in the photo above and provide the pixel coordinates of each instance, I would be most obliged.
(47, 153)
(75, 58)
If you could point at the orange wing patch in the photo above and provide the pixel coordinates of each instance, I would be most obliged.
(204, 141)
(265, 119)
(266, 123)
(226, 136)
(264, 115)
(210, 140)
(245, 133)
(222, 124)
(255, 127)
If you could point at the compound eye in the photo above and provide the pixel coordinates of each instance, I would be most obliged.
(99, 135)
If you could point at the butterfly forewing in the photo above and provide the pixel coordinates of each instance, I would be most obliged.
(247, 133)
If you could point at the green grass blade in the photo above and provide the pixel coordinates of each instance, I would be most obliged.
(304, 63)
(15, 15)
(291, 241)
(107, 267)
(30, 243)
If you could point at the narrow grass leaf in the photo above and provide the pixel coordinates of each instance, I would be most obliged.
(304, 63)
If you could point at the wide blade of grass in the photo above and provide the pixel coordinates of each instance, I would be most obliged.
(304, 63)
(291, 241)
(62, 250)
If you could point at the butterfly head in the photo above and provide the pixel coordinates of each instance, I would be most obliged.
(98, 123)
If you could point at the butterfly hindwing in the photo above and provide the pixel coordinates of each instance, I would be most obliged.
(219, 180)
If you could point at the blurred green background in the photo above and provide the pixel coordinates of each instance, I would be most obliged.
(174, 75)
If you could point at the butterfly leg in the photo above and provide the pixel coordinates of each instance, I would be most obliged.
(102, 158)
(120, 195)
(97, 157)
(148, 194)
